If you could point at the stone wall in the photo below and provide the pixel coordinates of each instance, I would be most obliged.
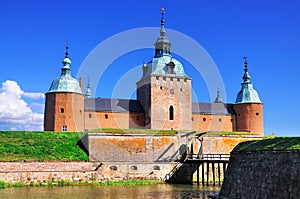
(213, 122)
(34, 172)
(262, 174)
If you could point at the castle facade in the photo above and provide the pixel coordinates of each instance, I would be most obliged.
(164, 101)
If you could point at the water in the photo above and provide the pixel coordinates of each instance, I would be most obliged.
(164, 191)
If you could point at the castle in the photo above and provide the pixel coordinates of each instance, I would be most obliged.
(164, 101)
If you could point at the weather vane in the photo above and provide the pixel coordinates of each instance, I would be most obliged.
(162, 11)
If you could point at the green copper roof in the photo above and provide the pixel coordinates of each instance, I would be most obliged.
(65, 83)
(164, 65)
(247, 94)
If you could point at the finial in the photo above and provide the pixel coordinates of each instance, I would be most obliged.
(246, 76)
(88, 93)
(67, 49)
(162, 21)
(218, 98)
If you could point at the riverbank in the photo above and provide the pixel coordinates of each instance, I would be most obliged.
(51, 183)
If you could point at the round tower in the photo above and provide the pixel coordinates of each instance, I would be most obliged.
(248, 107)
(64, 106)
(164, 90)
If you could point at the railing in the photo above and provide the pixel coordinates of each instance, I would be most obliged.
(171, 173)
(208, 156)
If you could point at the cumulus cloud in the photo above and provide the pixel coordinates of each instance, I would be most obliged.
(15, 113)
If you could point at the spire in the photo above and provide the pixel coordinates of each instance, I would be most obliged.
(162, 44)
(246, 76)
(247, 94)
(162, 23)
(66, 70)
(218, 98)
(88, 93)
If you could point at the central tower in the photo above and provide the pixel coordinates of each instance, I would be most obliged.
(164, 90)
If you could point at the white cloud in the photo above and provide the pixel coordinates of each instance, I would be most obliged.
(15, 113)
(33, 95)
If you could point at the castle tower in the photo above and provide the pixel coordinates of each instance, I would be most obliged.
(164, 90)
(64, 107)
(248, 107)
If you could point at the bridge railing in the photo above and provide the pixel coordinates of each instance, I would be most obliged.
(208, 156)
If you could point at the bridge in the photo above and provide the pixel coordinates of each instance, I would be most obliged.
(212, 167)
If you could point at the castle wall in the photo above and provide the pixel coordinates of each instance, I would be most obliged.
(96, 120)
(209, 122)
(262, 174)
(36, 172)
(250, 117)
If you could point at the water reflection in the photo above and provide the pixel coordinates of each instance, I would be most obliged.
(110, 192)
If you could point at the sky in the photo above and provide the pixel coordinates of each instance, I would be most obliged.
(33, 35)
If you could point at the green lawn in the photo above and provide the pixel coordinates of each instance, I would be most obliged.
(134, 131)
(275, 144)
(41, 146)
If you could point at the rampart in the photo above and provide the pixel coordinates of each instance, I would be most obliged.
(262, 174)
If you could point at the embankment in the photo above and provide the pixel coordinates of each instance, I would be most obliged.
(264, 169)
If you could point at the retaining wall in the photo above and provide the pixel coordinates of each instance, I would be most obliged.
(262, 174)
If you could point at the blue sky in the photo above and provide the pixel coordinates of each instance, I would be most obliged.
(33, 33)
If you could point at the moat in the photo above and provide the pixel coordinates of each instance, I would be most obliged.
(121, 192)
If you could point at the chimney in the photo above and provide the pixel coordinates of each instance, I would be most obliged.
(80, 83)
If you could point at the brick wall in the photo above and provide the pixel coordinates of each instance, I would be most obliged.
(209, 122)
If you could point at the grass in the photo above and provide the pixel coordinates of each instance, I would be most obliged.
(66, 183)
(134, 131)
(226, 133)
(275, 144)
(41, 146)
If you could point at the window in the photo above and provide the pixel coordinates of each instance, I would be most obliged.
(178, 79)
(171, 113)
(181, 89)
(172, 91)
(114, 168)
(220, 120)
(134, 168)
(231, 120)
(64, 128)
(192, 119)
(137, 117)
(157, 78)
(62, 110)
(80, 112)
(90, 115)
(106, 116)
(156, 168)
(160, 88)
(171, 78)
(257, 114)
(204, 119)
(239, 114)
(86, 130)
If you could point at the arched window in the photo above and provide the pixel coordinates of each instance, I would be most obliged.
(171, 113)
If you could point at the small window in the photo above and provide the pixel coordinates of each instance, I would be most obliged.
(204, 119)
(86, 130)
(171, 78)
(134, 168)
(220, 120)
(164, 78)
(178, 79)
(137, 117)
(239, 114)
(231, 120)
(62, 110)
(171, 91)
(160, 88)
(184, 80)
(90, 115)
(64, 128)
(157, 78)
(192, 119)
(181, 89)
(106, 116)
(80, 112)
(171, 113)
(257, 114)
(156, 168)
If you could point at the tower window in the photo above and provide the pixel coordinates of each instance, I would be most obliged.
(171, 79)
(220, 120)
(160, 88)
(137, 117)
(171, 113)
(90, 115)
(134, 168)
(178, 79)
(204, 119)
(239, 114)
(156, 167)
(171, 91)
(64, 128)
(157, 78)
(62, 110)
(106, 116)
(80, 112)
(257, 114)
(181, 89)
